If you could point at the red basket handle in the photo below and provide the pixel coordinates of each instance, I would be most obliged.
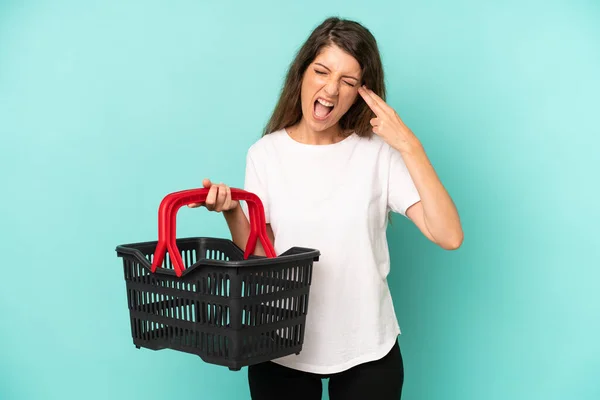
(168, 217)
(255, 208)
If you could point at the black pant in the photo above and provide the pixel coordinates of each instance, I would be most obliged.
(381, 379)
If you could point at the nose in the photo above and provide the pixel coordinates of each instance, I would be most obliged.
(331, 88)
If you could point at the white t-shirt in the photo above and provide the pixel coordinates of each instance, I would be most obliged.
(335, 198)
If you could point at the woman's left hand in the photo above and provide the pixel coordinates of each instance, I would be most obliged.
(387, 123)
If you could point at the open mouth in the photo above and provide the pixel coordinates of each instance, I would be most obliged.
(322, 108)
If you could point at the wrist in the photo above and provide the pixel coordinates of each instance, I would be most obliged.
(233, 210)
(410, 147)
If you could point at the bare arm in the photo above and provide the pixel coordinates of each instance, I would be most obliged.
(435, 215)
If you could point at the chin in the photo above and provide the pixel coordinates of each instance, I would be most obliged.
(320, 126)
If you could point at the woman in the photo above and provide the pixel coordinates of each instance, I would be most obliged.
(333, 161)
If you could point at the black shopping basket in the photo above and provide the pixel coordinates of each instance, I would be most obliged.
(206, 296)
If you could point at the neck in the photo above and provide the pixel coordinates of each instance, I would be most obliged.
(302, 133)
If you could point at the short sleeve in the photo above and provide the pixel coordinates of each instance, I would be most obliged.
(402, 192)
(255, 182)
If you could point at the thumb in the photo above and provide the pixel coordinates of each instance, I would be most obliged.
(206, 183)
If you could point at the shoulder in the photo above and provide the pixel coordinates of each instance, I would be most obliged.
(376, 146)
(373, 141)
(266, 144)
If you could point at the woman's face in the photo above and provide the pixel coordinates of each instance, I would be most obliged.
(329, 87)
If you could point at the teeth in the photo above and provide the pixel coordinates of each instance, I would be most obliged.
(325, 103)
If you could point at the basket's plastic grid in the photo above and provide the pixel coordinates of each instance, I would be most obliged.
(204, 305)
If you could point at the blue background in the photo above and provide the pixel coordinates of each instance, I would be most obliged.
(106, 106)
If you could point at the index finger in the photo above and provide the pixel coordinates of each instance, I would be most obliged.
(371, 101)
(376, 97)
(385, 107)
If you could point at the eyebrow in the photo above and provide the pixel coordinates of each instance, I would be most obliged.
(345, 76)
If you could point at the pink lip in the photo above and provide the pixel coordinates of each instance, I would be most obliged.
(326, 99)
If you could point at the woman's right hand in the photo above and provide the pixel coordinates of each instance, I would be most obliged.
(218, 198)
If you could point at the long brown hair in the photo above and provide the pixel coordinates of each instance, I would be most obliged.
(354, 39)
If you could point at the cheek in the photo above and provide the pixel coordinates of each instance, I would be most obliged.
(305, 94)
(348, 99)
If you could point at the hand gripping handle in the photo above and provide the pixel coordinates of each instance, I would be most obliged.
(167, 217)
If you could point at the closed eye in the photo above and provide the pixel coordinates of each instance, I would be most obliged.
(319, 72)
